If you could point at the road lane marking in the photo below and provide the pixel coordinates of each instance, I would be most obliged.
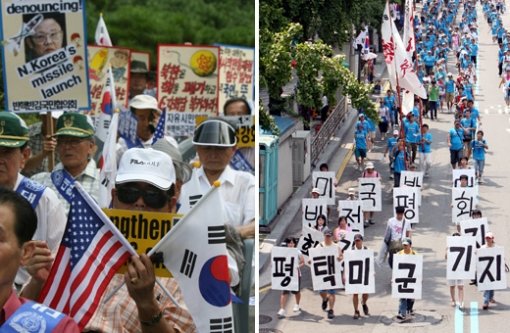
(347, 158)
(459, 320)
(474, 317)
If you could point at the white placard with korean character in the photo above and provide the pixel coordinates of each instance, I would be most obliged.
(311, 209)
(463, 202)
(476, 228)
(490, 268)
(461, 257)
(359, 272)
(325, 182)
(353, 212)
(370, 194)
(326, 268)
(284, 268)
(407, 197)
(412, 179)
(310, 239)
(407, 276)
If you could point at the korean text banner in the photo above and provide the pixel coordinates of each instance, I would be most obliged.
(99, 59)
(44, 55)
(143, 230)
(236, 73)
(188, 78)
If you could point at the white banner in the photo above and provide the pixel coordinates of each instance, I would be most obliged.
(412, 179)
(312, 209)
(471, 180)
(461, 257)
(284, 268)
(352, 211)
(407, 276)
(370, 190)
(325, 182)
(463, 202)
(406, 197)
(490, 269)
(475, 228)
(359, 272)
(326, 268)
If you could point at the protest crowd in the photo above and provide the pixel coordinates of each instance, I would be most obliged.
(436, 64)
(133, 213)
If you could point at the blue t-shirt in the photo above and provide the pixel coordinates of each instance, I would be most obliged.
(456, 137)
(412, 132)
(450, 86)
(392, 141)
(425, 147)
(478, 149)
(389, 101)
(361, 139)
(399, 164)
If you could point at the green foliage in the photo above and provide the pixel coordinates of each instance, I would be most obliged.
(266, 121)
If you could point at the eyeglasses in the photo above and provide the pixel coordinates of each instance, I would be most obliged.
(42, 38)
(71, 142)
(152, 198)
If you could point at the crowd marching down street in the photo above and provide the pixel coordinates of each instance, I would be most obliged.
(433, 74)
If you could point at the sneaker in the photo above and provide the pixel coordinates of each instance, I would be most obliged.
(400, 317)
(391, 176)
(461, 306)
(485, 306)
(365, 310)
(296, 308)
(365, 224)
(324, 304)
(480, 180)
(452, 303)
(331, 315)
(371, 222)
(281, 313)
(356, 315)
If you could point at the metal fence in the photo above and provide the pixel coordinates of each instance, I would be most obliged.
(321, 139)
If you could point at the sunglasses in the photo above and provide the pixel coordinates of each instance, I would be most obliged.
(152, 198)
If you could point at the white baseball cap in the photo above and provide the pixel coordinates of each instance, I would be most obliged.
(144, 102)
(316, 190)
(369, 165)
(146, 165)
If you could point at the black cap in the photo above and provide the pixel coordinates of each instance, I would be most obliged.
(215, 132)
(400, 209)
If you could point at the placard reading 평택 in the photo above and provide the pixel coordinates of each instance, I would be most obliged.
(44, 55)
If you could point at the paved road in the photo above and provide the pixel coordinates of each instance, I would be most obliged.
(434, 311)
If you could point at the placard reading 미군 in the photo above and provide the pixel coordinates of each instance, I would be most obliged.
(44, 55)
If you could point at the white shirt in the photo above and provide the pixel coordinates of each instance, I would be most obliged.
(51, 223)
(237, 190)
(396, 228)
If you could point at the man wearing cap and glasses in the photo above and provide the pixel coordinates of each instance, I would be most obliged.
(138, 78)
(75, 147)
(50, 212)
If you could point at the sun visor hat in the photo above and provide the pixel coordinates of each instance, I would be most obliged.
(215, 132)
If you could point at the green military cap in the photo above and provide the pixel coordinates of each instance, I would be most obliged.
(13, 130)
(75, 124)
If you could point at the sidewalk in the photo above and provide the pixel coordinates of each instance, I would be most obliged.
(336, 155)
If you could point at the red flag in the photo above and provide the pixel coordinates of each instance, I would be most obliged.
(91, 251)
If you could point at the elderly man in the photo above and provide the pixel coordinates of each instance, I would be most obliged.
(18, 223)
(139, 305)
(75, 147)
(51, 215)
(244, 158)
(138, 78)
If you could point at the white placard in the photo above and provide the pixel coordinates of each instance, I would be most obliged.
(370, 194)
(284, 268)
(310, 238)
(412, 179)
(463, 202)
(352, 211)
(407, 197)
(407, 276)
(490, 268)
(326, 268)
(471, 179)
(461, 257)
(359, 272)
(476, 228)
(311, 209)
(325, 182)
(346, 242)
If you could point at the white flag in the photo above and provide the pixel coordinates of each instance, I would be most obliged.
(108, 170)
(200, 266)
(409, 41)
(102, 36)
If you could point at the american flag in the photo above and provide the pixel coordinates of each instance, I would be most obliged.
(160, 128)
(90, 253)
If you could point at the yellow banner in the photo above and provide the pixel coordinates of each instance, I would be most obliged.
(143, 230)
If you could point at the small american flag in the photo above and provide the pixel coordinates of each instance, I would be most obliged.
(90, 253)
(160, 128)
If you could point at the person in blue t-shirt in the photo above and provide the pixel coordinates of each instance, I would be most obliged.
(360, 140)
(389, 101)
(425, 150)
(412, 132)
(479, 146)
(401, 161)
(450, 92)
(469, 125)
(391, 143)
(455, 143)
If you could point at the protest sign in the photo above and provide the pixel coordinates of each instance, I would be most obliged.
(99, 59)
(236, 73)
(325, 182)
(359, 272)
(412, 179)
(352, 211)
(44, 56)
(490, 268)
(407, 197)
(310, 239)
(312, 209)
(461, 257)
(347, 240)
(370, 194)
(463, 202)
(456, 173)
(475, 228)
(188, 78)
(284, 268)
(143, 230)
(407, 276)
(142, 56)
(326, 268)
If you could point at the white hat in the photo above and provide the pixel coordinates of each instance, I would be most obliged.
(369, 165)
(450, 74)
(351, 190)
(316, 190)
(395, 132)
(144, 102)
(146, 165)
